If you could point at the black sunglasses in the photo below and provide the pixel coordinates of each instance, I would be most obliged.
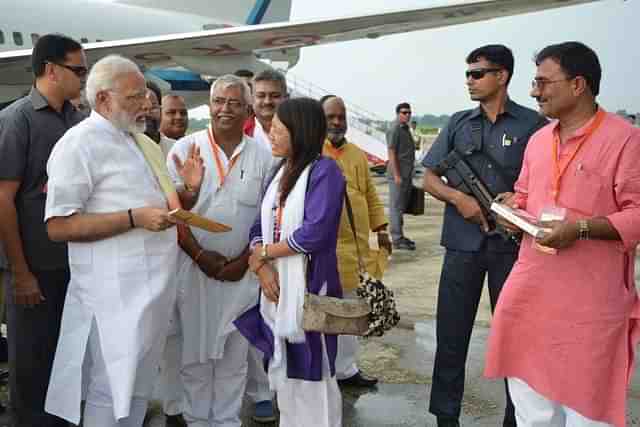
(479, 73)
(78, 70)
(405, 112)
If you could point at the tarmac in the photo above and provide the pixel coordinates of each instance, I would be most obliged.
(403, 358)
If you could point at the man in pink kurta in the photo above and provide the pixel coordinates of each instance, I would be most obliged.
(566, 324)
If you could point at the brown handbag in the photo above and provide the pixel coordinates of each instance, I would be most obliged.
(337, 316)
(415, 204)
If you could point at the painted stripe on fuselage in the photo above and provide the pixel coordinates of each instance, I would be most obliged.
(181, 80)
(257, 13)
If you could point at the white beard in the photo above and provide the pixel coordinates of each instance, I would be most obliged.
(122, 121)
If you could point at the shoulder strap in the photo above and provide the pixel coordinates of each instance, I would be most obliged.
(476, 133)
(361, 265)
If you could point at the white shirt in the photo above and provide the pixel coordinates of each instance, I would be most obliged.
(125, 282)
(208, 307)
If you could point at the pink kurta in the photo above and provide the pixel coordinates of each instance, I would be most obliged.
(567, 324)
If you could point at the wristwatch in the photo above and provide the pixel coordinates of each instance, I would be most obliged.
(583, 229)
(264, 256)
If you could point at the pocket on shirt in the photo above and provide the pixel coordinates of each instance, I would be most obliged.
(249, 190)
(81, 258)
(132, 259)
(581, 191)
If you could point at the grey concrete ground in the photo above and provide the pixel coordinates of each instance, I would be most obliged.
(403, 359)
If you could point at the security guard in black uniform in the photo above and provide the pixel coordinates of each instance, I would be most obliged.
(493, 138)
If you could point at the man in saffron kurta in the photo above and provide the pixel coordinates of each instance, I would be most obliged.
(565, 327)
(368, 215)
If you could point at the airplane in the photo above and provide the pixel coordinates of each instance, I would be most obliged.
(182, 45)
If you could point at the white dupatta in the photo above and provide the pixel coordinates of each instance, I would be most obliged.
(285, 318)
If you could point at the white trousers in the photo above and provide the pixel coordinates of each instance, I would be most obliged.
(257, 381)
(170, 383)
(310, 403)
(98, 410)
(535, 410)
(348, 346)
(214, 390)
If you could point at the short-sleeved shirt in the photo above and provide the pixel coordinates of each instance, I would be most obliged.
(497, 163)
(399, 140)
(29, 129)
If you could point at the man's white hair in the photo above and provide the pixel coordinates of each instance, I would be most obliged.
(105, 72)
(229, 80)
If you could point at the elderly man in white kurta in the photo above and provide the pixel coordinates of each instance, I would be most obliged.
(105, 199)
(214, 286)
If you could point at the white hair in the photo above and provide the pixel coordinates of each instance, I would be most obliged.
(230, 80)
(105, 72)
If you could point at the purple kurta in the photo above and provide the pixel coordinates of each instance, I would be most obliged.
(316, 238)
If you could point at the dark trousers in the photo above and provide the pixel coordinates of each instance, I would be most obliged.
(461, 283)
(33, 337)
(398, 199)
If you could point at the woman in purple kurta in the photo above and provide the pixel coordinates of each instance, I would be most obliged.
(297, 135)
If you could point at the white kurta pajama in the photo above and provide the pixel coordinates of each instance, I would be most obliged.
(122, 285)
(208, 307)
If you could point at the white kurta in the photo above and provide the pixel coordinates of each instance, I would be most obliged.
(125, 282)
(207, 306)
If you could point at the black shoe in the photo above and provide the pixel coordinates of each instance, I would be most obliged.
(409, 241)
(448, 422)
(174, 421)
(358, 380)
(403, 244)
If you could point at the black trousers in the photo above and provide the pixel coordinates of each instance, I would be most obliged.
(33, 337)
(461, 283)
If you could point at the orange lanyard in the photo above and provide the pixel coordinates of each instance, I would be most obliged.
(216, 155)
(278, 223)
(560, 167)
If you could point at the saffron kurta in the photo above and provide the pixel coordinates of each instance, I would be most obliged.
(368, 213)
(567, 324)
(316, 237)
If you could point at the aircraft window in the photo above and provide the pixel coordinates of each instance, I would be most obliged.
(34, 38)
(99, 40)
(1, 37)
(17, 38)
(84, 40)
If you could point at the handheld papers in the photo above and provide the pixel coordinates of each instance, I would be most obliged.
(199, 221)
(519, 218)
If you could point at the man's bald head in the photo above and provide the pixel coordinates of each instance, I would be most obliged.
(335, 111)
(175, 117)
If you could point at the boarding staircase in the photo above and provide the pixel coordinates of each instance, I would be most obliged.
(365, 128)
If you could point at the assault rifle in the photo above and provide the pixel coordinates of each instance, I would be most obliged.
(462, 177)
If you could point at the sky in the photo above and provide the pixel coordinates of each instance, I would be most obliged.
(426, 68)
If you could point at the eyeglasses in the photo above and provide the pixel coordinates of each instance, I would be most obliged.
(405, 112)
(232, 103)
(136, 97)
(479, 73)
(78, 70)
(541, 83)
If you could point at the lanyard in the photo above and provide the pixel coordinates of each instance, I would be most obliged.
(277, 229)
(560, 166)
(216, 155)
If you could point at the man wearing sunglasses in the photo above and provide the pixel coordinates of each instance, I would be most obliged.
(492, 137)
(29, 129)
(401, 150)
